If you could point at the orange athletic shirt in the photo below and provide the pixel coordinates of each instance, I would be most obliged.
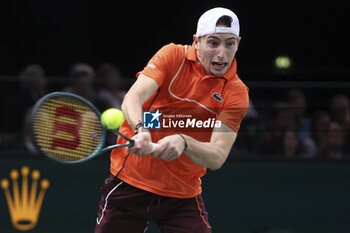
(184, 88)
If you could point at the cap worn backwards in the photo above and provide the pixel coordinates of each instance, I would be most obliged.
(207, 22)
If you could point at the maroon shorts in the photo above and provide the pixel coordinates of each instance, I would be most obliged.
(124, 208)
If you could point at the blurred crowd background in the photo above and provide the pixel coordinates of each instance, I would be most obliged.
(293, 57)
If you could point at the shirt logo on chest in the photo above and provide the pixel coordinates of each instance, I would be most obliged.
(218, 97)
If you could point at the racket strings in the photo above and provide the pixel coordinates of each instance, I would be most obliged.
(67, 129)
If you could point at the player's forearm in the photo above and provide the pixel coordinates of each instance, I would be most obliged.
(205, 154)
(138, 94)
(132, 108)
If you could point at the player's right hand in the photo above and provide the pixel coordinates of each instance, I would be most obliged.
(142, 145)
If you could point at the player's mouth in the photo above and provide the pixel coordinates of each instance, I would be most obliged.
(218, 66)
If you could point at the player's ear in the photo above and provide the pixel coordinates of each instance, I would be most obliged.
(238, 41)
(195, 40)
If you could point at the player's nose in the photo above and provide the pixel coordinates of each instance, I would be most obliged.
(220, 53)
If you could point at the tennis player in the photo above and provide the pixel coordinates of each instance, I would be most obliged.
(165, 186)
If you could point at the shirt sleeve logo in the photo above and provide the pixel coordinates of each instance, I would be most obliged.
(151, 66)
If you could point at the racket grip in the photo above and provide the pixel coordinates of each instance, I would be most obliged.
(154, 147)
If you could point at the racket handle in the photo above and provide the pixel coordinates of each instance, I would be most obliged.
(154, 147)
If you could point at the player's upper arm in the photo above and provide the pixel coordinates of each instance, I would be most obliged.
(223, 138)
(235, 108)
(142, 89)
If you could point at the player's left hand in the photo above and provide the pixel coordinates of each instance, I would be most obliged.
(169, 148)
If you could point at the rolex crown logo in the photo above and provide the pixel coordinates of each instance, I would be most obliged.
(25, 204)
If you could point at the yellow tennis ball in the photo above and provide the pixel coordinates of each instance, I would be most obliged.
(112, 118)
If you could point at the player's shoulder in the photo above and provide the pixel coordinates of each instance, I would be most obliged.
(236, 89)
(174, 46)
(237, 84)
(172, 49)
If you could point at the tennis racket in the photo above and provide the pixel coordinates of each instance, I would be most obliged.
(67, 128)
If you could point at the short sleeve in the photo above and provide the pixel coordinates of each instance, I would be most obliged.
(163, 63)
(235, 108)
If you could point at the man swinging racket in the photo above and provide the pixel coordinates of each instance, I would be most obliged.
(193, 102)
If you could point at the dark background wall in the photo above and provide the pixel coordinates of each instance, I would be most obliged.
(57, 34)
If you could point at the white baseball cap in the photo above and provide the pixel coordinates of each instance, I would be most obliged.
(207, 22)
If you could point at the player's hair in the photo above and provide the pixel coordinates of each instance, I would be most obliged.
(224, 20)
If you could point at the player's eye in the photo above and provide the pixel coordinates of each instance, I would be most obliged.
(213, 43)
(230, 44)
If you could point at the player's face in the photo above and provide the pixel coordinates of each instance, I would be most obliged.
(216, 52)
